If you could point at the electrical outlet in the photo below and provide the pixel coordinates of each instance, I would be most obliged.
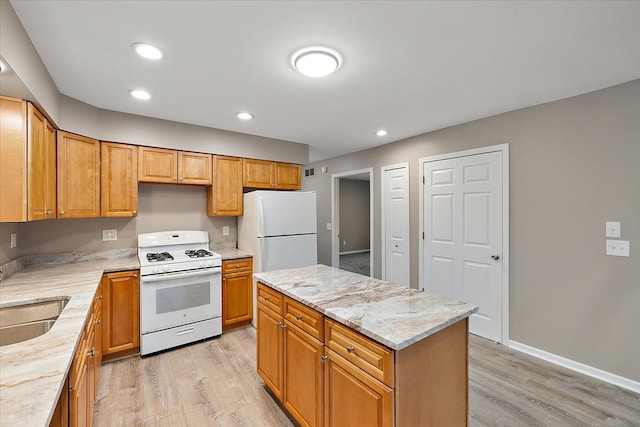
(612, 229)
(225, 230)
(618, 248)
(109, 235)
(14, 240)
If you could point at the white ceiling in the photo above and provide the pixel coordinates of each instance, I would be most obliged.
(409, 67)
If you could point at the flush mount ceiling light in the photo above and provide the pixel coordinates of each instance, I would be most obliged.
(382, 132)
(244, 115)
(140, 94)
(147, 51)
(316, 61)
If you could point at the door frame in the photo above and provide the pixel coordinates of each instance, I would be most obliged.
(335, 215)
(504, 149)
(383, 228)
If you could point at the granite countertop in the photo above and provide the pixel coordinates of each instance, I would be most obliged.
(232, 253)
(33, 372)
(390, 314)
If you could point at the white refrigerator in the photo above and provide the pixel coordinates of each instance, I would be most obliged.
(279, 229)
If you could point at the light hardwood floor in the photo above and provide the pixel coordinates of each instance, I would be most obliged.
(214, 383)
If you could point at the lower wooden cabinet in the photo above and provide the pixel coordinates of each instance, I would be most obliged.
(270, 352)
(303, 394)
(121, 314)
(60, 417)
(237, 284)
(354, 398)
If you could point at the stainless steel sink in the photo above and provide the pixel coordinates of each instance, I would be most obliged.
(24, 322)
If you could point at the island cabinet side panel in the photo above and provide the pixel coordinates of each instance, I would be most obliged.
(432, 379)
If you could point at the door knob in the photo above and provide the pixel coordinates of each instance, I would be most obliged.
(495, 257)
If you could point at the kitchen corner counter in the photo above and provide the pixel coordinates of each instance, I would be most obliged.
(392, 315)
(32, 372)
(232, 253)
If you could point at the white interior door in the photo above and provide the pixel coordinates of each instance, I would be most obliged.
(395, 224)
(462, 221)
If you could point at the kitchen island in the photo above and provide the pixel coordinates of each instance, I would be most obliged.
(337, 349)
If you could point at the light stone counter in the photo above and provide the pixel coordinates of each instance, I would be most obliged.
(232, 253)
(32, 372)
(390, 314)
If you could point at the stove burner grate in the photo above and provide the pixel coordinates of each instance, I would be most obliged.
(160, 256)
(200, 253)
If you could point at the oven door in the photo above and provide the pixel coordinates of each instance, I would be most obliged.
(174, 299)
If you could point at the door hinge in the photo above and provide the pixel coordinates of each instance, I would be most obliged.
(423, 235)
(424, 181)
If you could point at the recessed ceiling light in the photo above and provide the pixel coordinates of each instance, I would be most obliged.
(147, 51)
(140, 94)
(316, 61)
(382, 132)
(244, 116)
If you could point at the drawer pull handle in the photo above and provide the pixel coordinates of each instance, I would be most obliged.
(184, 331)
(350, 350)
(298, 316)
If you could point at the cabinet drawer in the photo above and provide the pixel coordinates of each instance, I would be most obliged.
(240, 265)
(304, 317)
(362, 351)
(270, 298)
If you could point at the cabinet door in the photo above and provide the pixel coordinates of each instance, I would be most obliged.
(237, 304)
(120, 312)
(36, 153)
(194, 168)
(269, 352)
(78, 176)
(353, 398)
(157, 165)
(303, 376)
(257, 173)
(60, 417)
(91, 377)
(79, 399)
(50, 166)
(287, 176)
(13, 160)
(224, 197)
(98, 331)
(119, 180)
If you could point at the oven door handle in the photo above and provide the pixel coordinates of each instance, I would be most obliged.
(181, 275)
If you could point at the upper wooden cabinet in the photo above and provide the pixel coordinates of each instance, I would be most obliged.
(271, 175)
(41, 153)
(173, 167)
(119, 180)
(27, 163)
(78, 176)
(224, 197)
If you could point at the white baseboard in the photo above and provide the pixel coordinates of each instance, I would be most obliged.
(614, 379)
(355, 252)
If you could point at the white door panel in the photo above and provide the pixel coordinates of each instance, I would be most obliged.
(395, 235)
(462, 223)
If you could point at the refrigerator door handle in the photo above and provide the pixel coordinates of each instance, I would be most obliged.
(261, 232)
(263, 254)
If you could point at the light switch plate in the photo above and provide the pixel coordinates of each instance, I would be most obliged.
(109, 235)
(613, 229)
(618, 248)
(225, 230)
(328, 226)
(14, 238)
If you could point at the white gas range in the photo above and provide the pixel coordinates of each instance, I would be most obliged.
(180, 289)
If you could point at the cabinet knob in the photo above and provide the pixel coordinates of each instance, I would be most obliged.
(99, 296)
(135, 275)
(135, 212)
(98, 322)
(298, 316)
(323, 357)
(91, 352)
(266, 298)
(62, 213)
(350, 349)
